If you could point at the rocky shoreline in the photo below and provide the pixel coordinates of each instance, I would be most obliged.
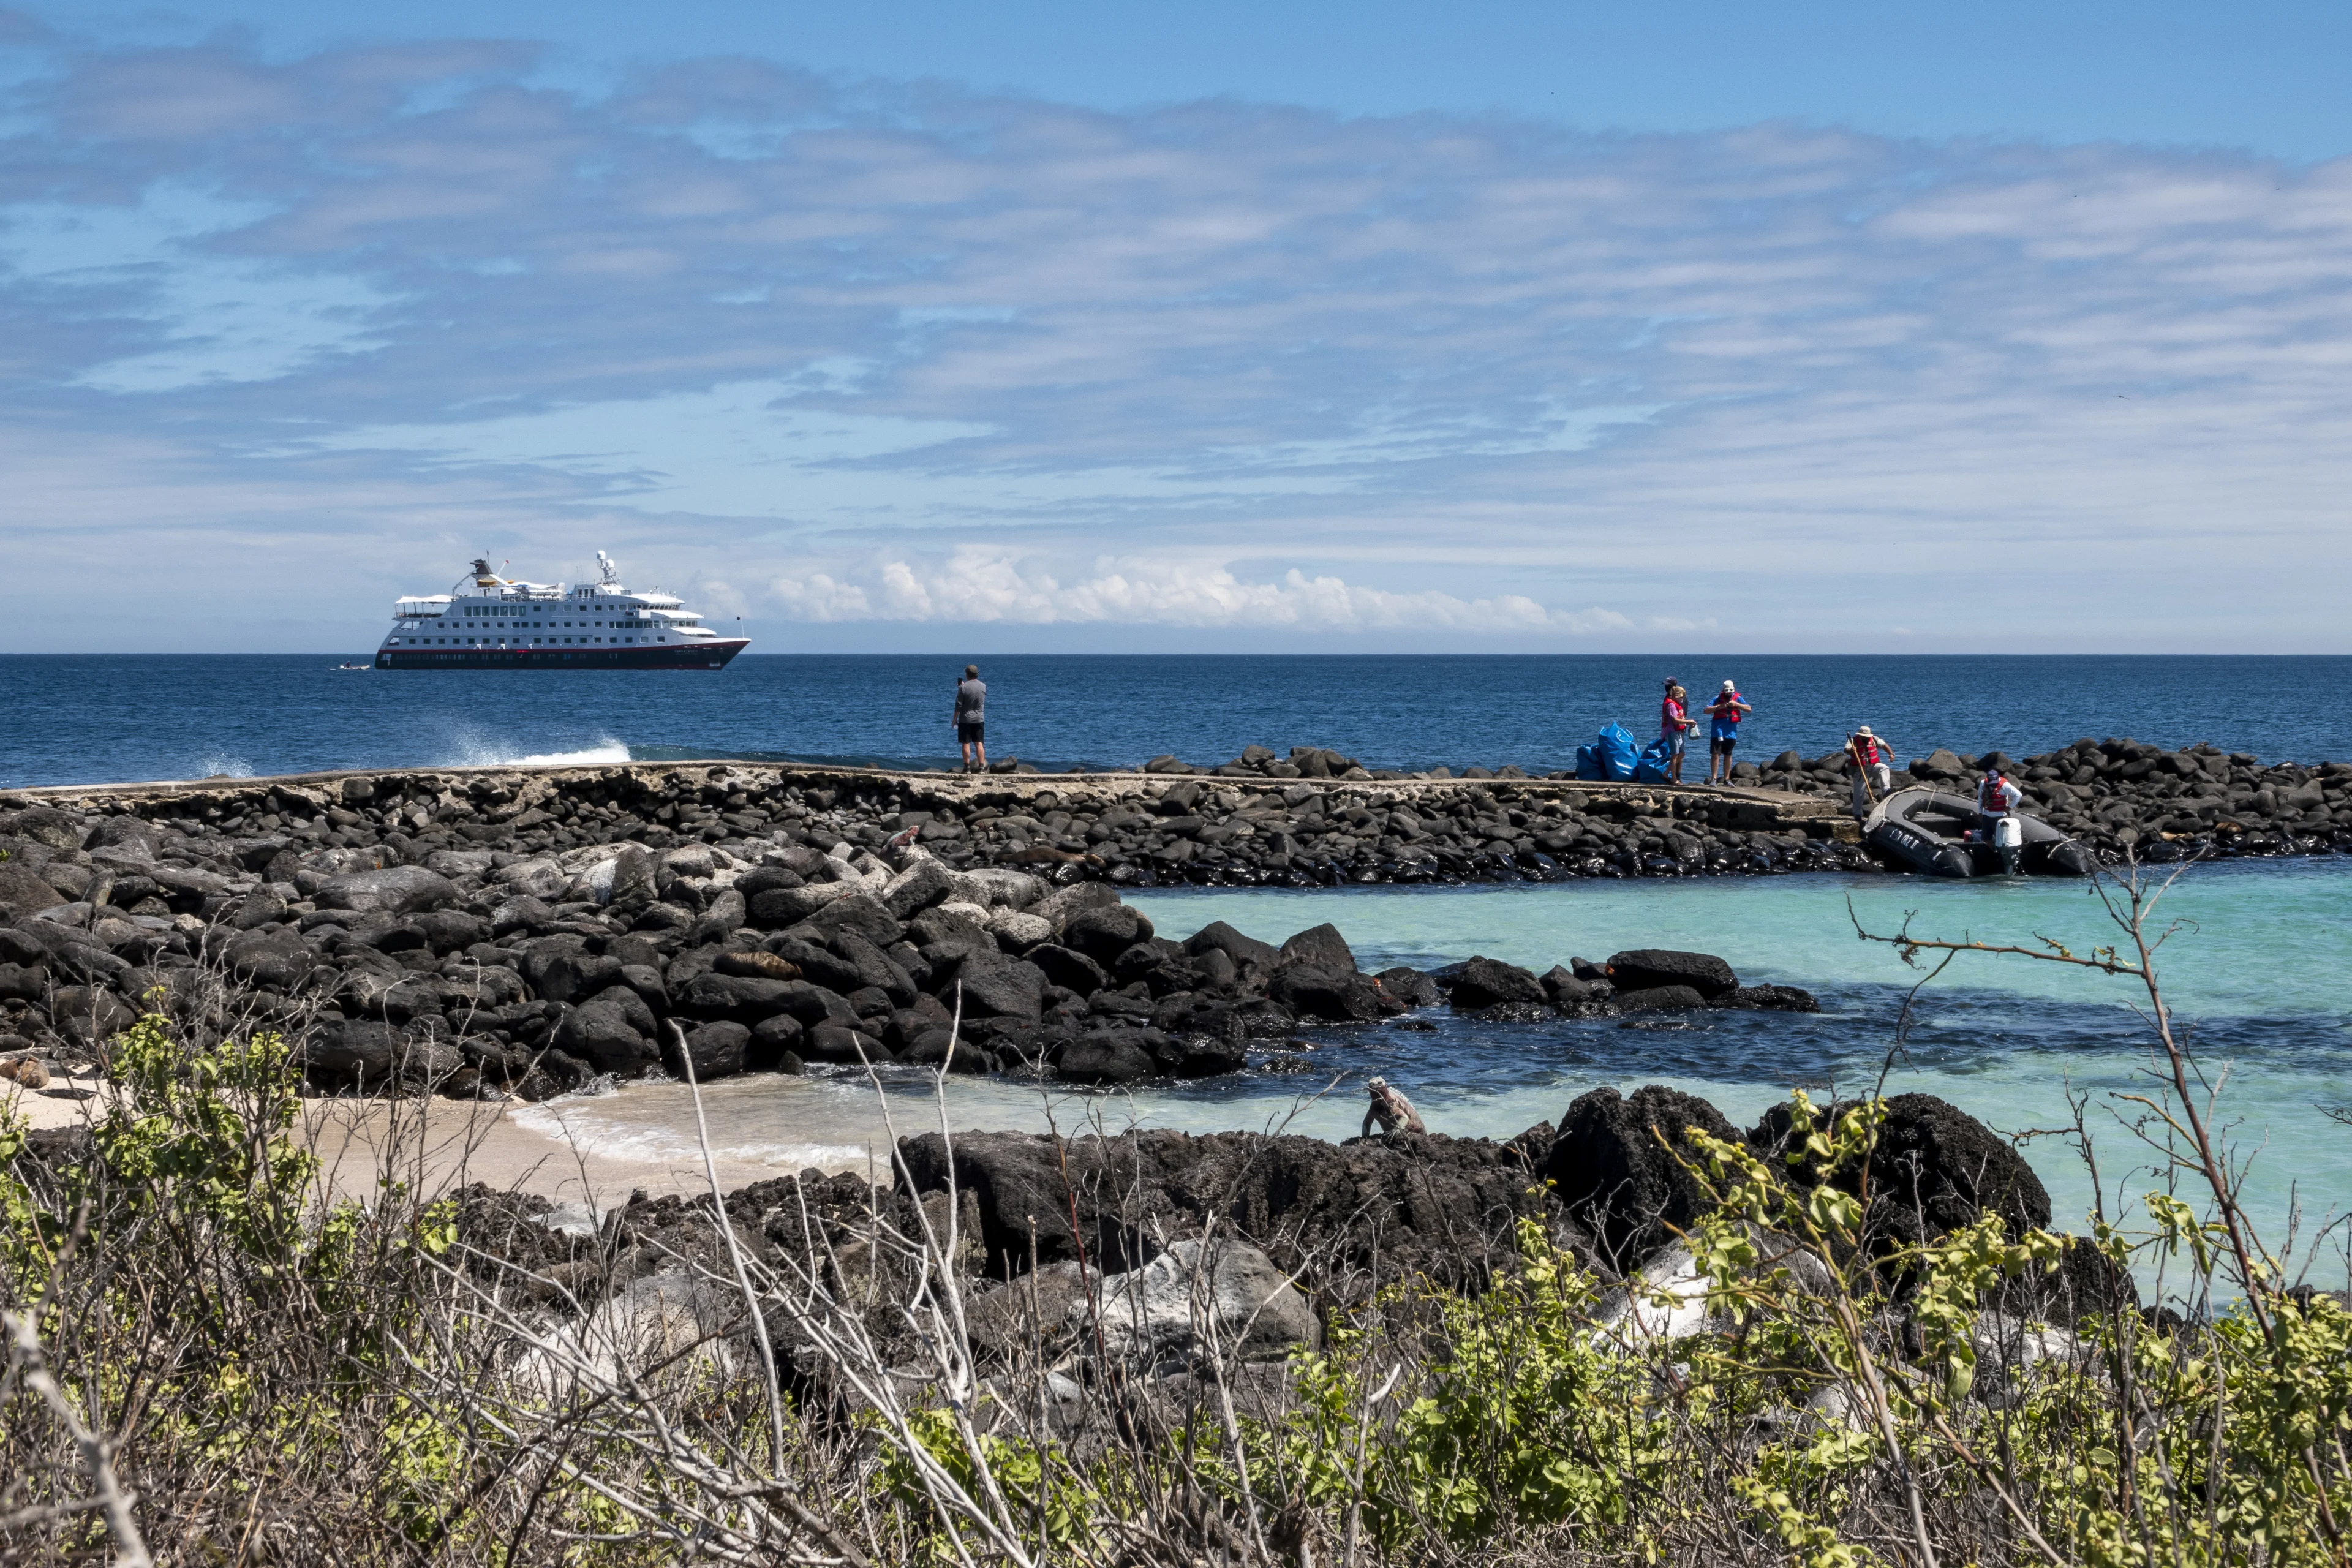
(503, 931)
(1256, 1241)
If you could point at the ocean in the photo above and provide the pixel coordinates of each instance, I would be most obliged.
(2254, 968)
(82, 719)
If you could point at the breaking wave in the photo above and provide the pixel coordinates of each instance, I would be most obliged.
(480, 752)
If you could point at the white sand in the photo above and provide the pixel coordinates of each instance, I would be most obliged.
(435, 1144)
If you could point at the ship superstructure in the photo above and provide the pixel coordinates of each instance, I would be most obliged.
(490, 622)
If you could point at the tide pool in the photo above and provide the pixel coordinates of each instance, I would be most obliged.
(2254, 968)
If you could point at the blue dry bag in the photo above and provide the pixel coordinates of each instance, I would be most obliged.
(1617, 753)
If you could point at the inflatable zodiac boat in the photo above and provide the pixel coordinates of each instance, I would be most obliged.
(1945, 836)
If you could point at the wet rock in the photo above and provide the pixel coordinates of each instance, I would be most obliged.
(1661, 999)
(1565, 990)
(1338, 996)
(774, 1039)
(1410, 987)
(1108, 1057)
(812, 1005)
(1649, 968)
(1481, 982)
(995, 986)
(602, 1036)
(1322, 947)
(842, 1044)
(1770, 999)
(575, 976)
(624, 999)
(364, 1053)
(714, 1051)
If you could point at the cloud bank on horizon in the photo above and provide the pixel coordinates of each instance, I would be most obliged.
(892, 362)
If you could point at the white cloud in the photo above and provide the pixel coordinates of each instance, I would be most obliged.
(1769, 387)
(983, 587)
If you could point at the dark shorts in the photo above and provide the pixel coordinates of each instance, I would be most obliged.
(970, 734)
(1722, 738)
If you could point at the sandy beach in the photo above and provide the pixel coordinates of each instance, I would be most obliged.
(435, 1144)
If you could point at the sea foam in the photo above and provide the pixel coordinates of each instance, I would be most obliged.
(475, 752)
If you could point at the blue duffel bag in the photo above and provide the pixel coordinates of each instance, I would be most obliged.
(1617, 753)
(1651, 766)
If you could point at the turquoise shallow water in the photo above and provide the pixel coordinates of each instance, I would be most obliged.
(2256, 971)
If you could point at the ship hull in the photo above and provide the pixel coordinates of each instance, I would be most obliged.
(709, 656)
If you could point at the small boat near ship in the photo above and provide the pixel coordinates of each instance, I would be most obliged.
(490, 622)
(1941, 835)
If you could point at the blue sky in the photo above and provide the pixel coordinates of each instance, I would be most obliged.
(941, 327)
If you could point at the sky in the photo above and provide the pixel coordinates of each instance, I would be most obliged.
(940, 328)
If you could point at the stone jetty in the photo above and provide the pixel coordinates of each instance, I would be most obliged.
(502, 930)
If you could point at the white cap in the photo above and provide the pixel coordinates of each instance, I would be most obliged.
(1728, 687)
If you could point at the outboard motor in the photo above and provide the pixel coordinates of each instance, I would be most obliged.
(2008, 838)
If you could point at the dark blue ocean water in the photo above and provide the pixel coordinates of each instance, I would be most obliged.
(70, 719)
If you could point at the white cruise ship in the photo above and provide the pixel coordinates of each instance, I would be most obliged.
(488, 622)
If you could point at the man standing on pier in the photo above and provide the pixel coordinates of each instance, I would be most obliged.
(972, 719)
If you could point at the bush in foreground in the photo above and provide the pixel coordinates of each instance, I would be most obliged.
(211, 1361)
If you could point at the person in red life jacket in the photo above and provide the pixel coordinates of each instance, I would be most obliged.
(1872, 765)
(1674, 726)
(1996, 796)
(1390, 1109)
(1726, 710)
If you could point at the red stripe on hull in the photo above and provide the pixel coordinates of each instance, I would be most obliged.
(709, 656)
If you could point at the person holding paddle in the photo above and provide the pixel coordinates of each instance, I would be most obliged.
(1870, 761)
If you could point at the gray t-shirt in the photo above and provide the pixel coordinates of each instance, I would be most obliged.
(971, 701)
